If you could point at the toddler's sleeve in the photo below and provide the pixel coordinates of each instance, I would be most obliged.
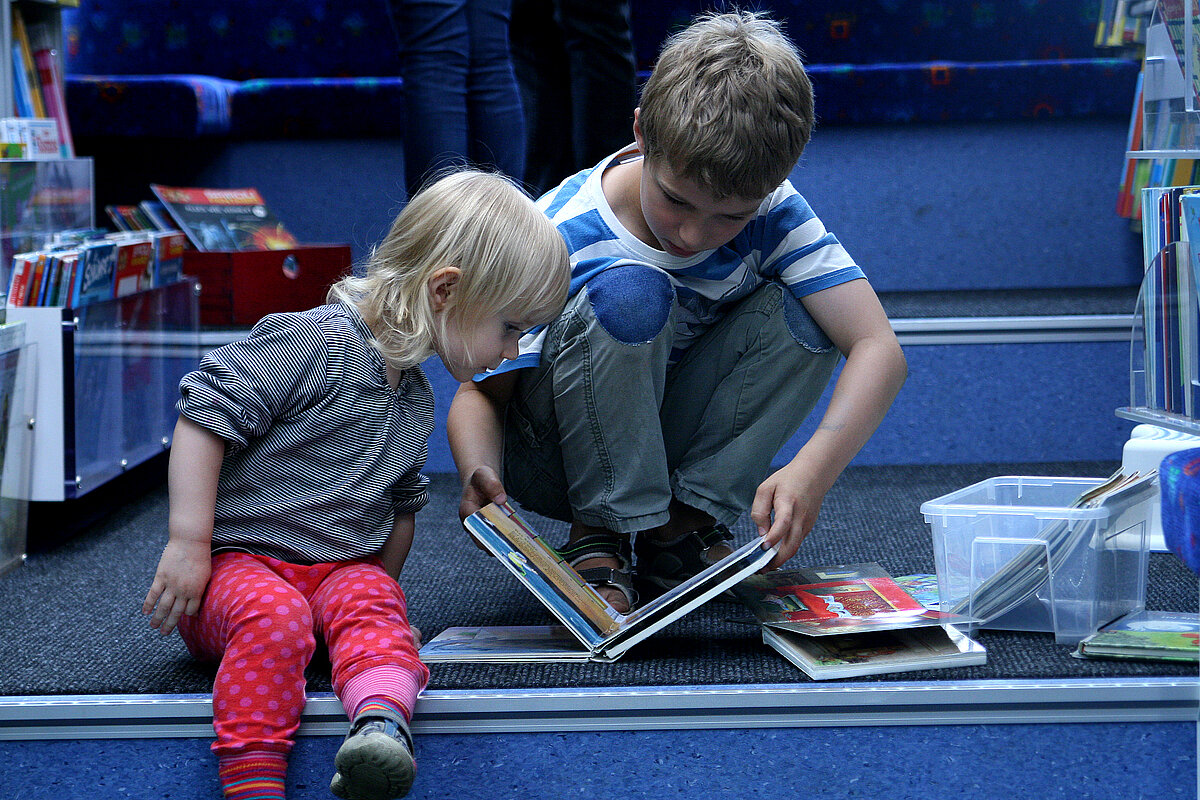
(242, 387)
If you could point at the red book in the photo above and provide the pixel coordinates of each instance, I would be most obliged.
(22, 271)
(133, 261)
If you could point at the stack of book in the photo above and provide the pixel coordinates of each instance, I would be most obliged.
(846, 620)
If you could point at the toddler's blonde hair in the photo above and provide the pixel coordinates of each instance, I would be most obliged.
(511, 258)
(728, 104)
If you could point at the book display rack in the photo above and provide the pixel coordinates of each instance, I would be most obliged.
(1165, 349)
(108, 370)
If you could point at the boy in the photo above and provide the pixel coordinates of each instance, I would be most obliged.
(709, 308)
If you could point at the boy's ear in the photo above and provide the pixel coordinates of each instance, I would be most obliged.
(637, 130)
(441, 286)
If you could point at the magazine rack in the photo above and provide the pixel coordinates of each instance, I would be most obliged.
(1171, 103)
(108, 385)
(1164, 352)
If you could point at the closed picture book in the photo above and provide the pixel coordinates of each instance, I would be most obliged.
(1146, 636)
(602, 633)
(135, 267)
(876, 652)
(836, 599)
(95, 274)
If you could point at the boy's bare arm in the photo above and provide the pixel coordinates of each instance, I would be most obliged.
(475, 427)
(875, 369)
(186, 563)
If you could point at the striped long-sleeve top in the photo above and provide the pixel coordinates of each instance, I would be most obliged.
(321, 453)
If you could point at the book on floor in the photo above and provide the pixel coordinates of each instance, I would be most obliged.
(1146, 636)
(845, 620)
(504, 644)
(604, 633)
(837, 599)
(876, 652)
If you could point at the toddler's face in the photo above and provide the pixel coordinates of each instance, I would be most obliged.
(479, 346)
(684, 216)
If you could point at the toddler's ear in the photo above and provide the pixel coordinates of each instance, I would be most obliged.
(441, 286)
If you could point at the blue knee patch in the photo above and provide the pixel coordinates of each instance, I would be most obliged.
(803, 327)
(632, 303)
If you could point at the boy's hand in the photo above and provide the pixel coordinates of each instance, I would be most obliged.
(785, 509)
(481, 488)
(178, 586)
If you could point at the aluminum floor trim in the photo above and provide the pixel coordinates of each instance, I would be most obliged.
(930, 330)
(647, 708)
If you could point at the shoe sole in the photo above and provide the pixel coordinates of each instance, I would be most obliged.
(373, 767)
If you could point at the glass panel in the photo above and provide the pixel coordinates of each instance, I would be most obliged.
(18, 390)
(129, 356)
(39, 198)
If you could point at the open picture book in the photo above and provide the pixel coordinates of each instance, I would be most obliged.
(847, 620)
(601, 633)
(837, 599)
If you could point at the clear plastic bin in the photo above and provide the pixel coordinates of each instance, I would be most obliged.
(1084, 567)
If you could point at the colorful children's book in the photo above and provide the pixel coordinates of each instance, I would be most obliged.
(95, 275)
(604, 633)
(1146, 635)
(224, 219)
(839, 599)
(875, 652)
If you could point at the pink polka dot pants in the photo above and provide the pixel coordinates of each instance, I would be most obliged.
(260, 618)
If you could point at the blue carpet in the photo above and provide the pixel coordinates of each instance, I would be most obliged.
(980, 762)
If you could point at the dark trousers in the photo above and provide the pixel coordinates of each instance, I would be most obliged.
(575, 65)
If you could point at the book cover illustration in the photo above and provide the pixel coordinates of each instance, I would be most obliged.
(605, 633)
(225, 219)
(1148, 636)
(845, 598)
(875, 652)
(502, 644)
(923, 587)
(95, 275)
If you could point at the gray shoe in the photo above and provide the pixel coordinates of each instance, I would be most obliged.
(375, 762)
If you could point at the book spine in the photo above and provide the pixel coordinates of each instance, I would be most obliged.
(52, 92)
(25, 71)
(557, 572)
(19, 285)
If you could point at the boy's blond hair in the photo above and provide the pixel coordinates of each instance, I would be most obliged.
(512, 262)
(728, 104)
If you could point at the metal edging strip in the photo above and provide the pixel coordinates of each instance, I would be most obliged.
(647, 708)
(939, 330)
(999, 330)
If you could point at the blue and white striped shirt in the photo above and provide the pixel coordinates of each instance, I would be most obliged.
(785, 242)
(321, 453)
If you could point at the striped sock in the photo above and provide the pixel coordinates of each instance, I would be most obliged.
(378, 706)
(253, 776)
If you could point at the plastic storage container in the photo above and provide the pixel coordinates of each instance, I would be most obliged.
(1088, 564)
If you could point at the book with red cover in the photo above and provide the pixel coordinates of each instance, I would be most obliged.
(838, 599)
(134, 267)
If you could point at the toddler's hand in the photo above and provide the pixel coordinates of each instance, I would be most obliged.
(178, 585)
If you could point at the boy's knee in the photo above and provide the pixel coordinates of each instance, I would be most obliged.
(803, 327)
(632, 303)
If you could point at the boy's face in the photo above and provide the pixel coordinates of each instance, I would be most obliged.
(684, 216)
